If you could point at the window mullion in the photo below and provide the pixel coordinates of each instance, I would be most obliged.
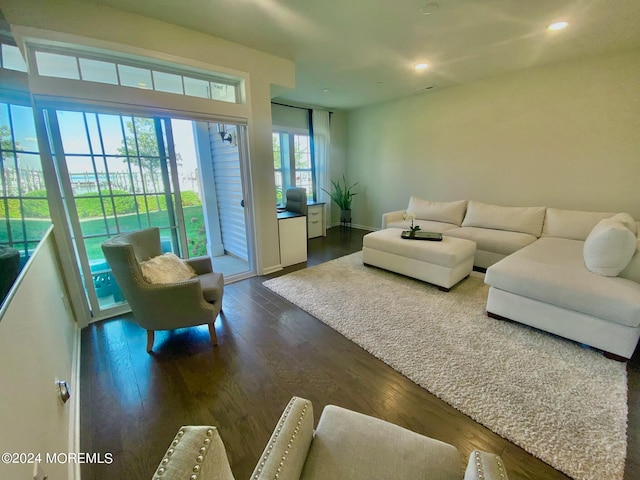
(292, 160)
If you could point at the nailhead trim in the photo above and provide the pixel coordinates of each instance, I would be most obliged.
(275, 436)
(479, 466)
(199, 458)
(501, 469)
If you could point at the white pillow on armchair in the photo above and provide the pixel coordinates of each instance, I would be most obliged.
(167, 268)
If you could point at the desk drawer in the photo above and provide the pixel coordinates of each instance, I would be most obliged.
(314, 228)
(315, 221)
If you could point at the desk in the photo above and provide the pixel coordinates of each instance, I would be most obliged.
(292, 230)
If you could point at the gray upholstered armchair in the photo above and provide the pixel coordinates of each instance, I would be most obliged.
(196, 301)
(344, 446)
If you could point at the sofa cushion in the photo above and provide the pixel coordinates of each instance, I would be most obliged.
(572, 224)
(351, 445)
(514, 219)
(167, 268)
(497, 241)
(609, 247)
(425, 225)
(448, 212)
(552, 270)
(632, 270)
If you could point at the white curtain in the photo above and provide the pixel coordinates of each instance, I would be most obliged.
(322, 155)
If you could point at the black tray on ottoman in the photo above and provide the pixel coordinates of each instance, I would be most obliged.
(431, 236)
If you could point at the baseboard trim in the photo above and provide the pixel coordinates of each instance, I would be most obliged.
(272, 269)
(74, 407)
(355, 225)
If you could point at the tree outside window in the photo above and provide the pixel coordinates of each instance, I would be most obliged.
(293, 163)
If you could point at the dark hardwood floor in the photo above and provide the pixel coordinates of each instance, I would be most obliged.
(132, 403)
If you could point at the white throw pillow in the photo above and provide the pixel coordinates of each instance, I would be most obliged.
(627, 220)
(167, 268)
(609, 248)
(447, 212)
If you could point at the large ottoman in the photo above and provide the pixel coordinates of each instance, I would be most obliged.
(442, 263)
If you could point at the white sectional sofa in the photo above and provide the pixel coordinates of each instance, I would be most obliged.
(572, 273)
(498, 231)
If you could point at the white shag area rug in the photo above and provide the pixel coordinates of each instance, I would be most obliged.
(564, 404)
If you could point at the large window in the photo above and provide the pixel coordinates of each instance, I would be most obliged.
(293, 163)
(24, 210)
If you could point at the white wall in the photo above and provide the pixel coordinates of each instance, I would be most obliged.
(97, 26)
(564, 136)
(38, 344)
(338, 158)
(291, 117)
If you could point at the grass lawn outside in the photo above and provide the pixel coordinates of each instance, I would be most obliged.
(97, 229)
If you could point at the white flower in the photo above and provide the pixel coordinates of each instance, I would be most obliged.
(408, 216)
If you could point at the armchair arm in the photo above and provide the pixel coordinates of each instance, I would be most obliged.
(200, 265)
(195, 450)
(286, 452)
(392, 217)
(485, 466)
(171, 305)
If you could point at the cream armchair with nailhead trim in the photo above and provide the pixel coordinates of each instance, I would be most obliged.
(345, 446)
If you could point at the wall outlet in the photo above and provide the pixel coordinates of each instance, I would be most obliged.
(65, 302)
(38, 472)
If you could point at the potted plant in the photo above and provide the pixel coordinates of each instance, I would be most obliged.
(342, 194)
(412, 229)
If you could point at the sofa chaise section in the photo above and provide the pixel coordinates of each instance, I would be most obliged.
(546, 286)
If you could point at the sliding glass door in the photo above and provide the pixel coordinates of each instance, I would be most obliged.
(120, 172)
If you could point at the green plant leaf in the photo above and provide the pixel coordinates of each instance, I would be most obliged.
(342, 194)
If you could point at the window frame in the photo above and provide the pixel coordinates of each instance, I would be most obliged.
(288, 168)
(9, 42)
(25, 243)
(144, 64)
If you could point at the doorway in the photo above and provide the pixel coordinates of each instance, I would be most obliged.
(120, 172)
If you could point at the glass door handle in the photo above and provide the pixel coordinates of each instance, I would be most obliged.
(242, 203)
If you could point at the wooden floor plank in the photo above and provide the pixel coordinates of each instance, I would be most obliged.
(268, 350)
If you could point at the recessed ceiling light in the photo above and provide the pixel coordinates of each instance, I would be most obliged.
(326, 90)
(558, 26)
(421, 66)
(429, 8)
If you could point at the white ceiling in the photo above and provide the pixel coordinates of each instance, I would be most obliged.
(362, 51)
